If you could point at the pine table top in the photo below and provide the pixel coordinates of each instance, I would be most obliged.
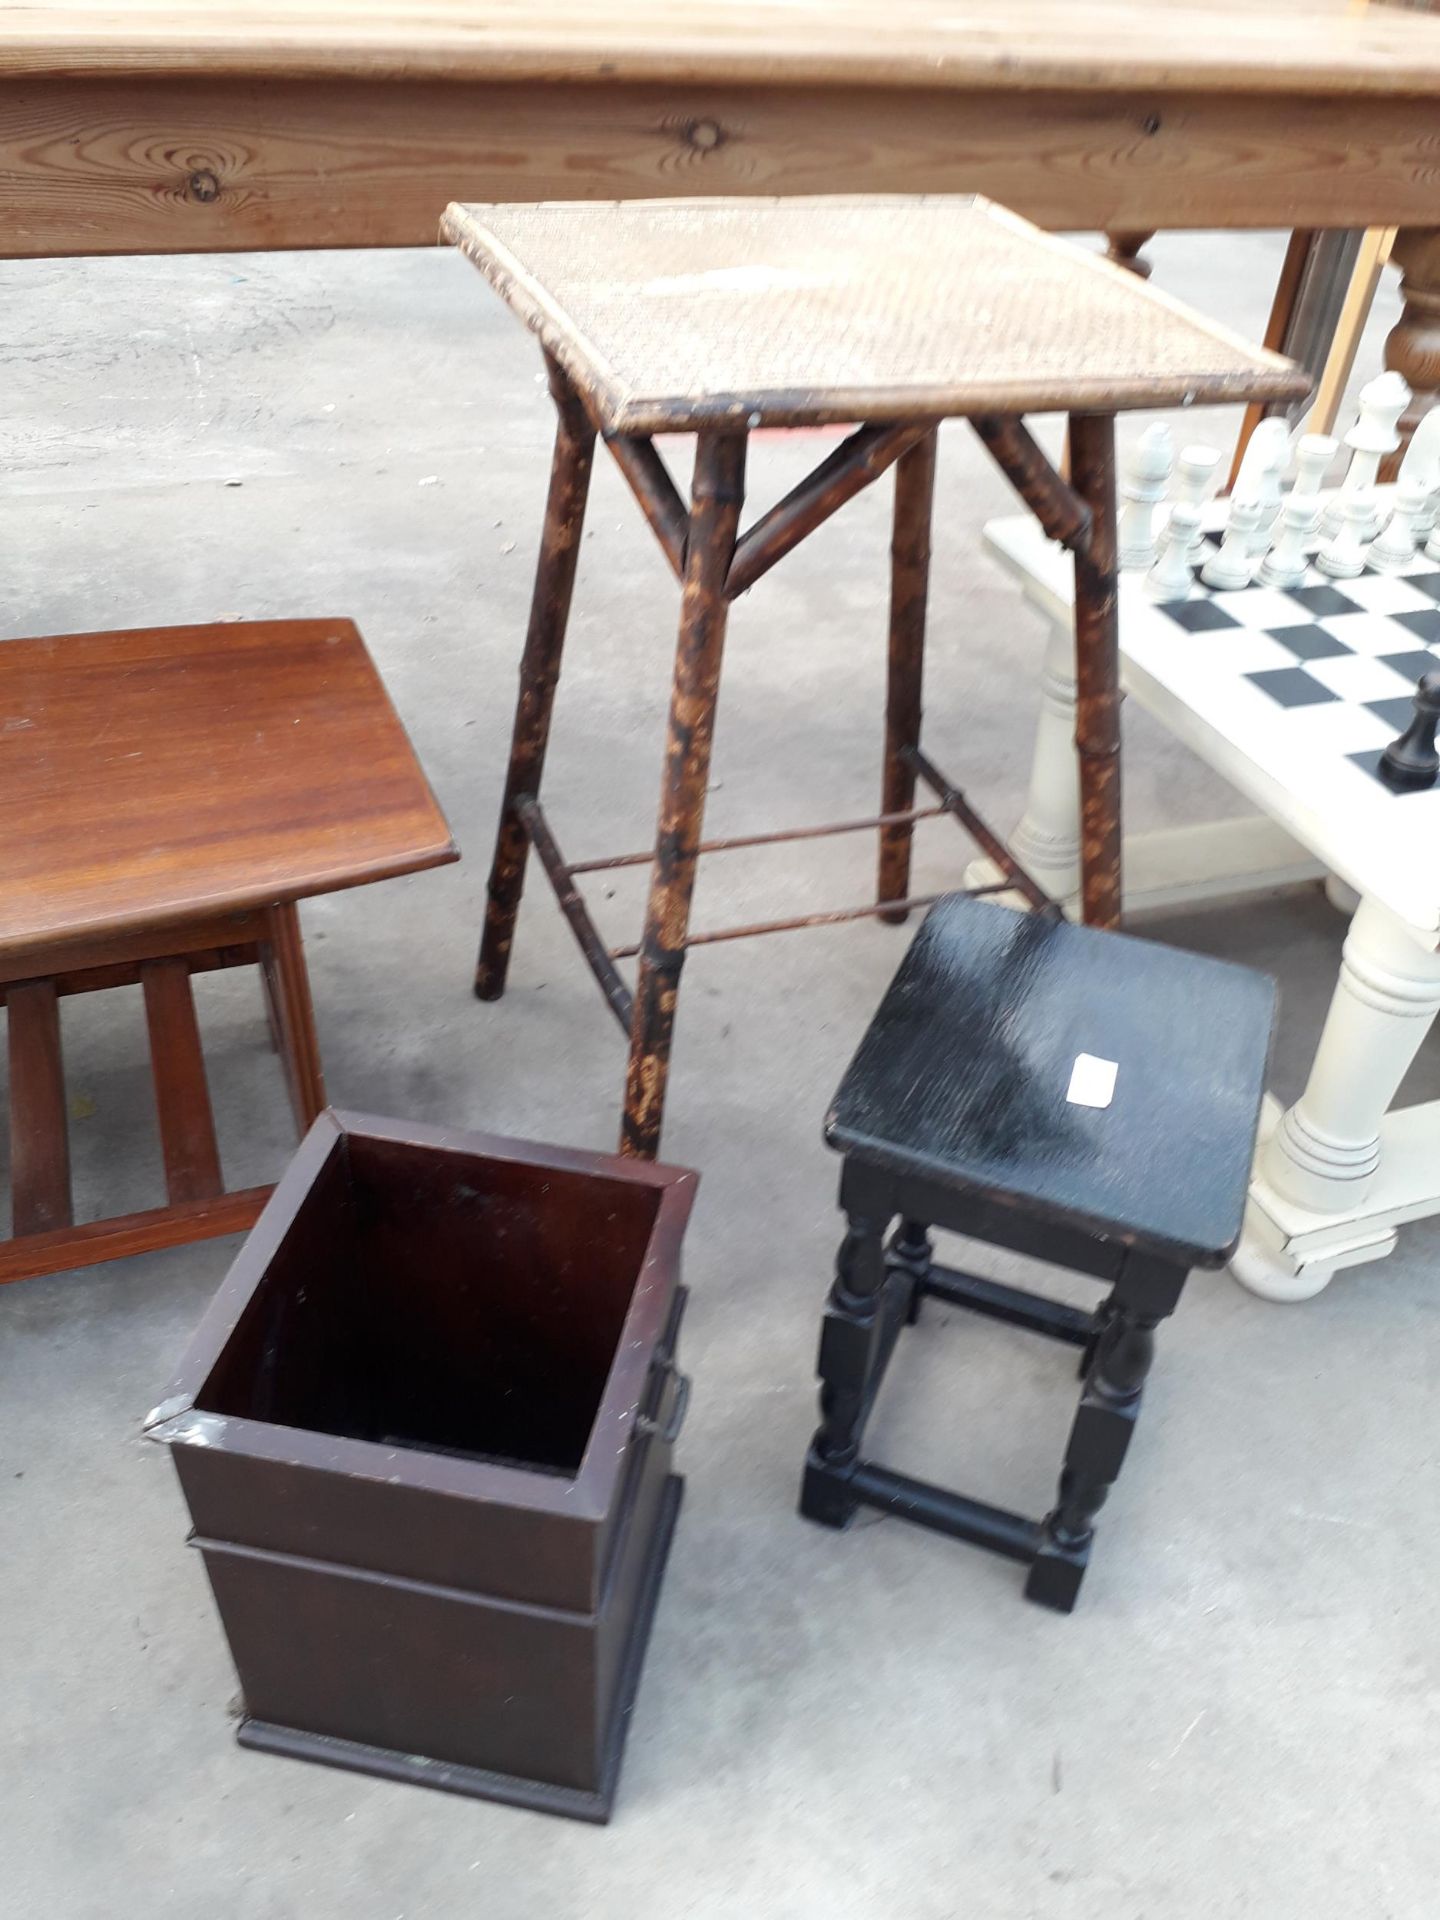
(1312, 47)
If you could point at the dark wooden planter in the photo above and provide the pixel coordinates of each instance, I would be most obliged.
(424, 1432)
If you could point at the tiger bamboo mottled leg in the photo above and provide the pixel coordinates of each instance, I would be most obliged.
(717, 494)
(539, 675)
(1097, 670)
(909, 587)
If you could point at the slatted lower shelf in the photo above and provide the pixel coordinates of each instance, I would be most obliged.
(126, 1233)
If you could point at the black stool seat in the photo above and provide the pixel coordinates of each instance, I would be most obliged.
(1077, 1095)
(964, 1075)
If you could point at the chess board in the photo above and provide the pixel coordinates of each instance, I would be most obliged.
(1290, 694)
(1334, 661)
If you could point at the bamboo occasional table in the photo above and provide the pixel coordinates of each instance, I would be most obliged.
(720, 316)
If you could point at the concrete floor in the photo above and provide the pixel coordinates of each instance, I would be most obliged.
(1241, 1718)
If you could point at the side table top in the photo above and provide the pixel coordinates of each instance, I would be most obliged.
(160, 774)
(669, 315)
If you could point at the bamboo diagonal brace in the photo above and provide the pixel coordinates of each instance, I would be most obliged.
(1059, 509)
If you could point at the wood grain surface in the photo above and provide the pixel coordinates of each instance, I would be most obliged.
(152, 775)
(1032, 43)
(147, 129)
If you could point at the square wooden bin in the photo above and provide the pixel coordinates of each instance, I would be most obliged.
(424, 1432)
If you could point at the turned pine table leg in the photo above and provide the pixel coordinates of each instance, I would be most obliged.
(717, 494)
(1412, 348)
(1097, 669)
(909, 589)
(1046, 840)
(539, 675)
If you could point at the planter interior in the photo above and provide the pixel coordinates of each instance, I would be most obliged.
(426, 1311)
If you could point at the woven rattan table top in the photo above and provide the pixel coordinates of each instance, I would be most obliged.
(670, 314)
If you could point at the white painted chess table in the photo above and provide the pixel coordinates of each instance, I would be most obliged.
(1289, 695)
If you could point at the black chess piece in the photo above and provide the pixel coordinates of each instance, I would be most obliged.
(1411, 760)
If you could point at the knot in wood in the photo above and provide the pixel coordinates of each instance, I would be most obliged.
(203, 185)
(703, 135)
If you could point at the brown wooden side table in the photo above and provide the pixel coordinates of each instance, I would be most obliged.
(167, 796)
(715, 317)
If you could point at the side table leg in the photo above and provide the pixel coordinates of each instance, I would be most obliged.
(847, 1354)
(1097, 669)
(287, 989)
(717, 494)
(909, 590)
(1324, 1154)
(570, 470)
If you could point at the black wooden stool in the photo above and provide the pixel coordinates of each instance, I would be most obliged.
(1075, 1095)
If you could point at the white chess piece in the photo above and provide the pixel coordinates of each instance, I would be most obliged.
(1266, 457)
(1432, 546)
(1233, 564)
(1286, 563)
(1313, 455)
(1142, 488)
(1343, 554)
(1382, 401)
(1396, 546)
(1422, 461)
(1194, 482)
(1171, 577)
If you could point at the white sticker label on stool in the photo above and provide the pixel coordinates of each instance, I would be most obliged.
(1092, 1081)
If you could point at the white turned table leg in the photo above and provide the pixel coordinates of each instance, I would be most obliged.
(1320, 1162)
(1046, 841)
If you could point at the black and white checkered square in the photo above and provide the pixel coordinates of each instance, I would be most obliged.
(1358, 644)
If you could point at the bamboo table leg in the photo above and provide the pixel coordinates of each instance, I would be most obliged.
(717, 493)
(1097, 670)
(539, 675)
(909, 587)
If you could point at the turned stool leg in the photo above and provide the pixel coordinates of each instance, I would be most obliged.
(717, 494)
(911, 1252)
(539, 675)
(909, 589)
(1097, 670)
(287, 989)
(847, 1355)
(1099, 1438)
